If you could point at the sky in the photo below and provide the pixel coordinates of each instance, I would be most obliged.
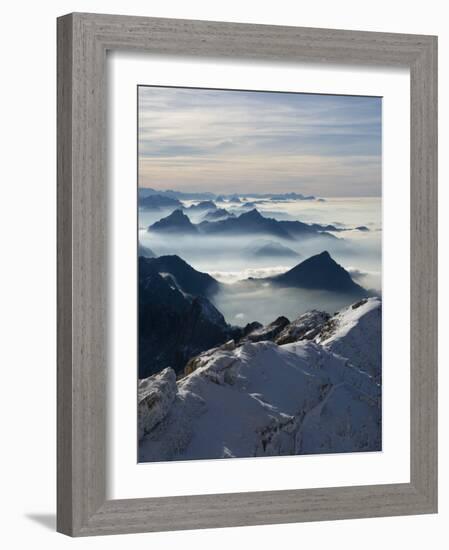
(259, 142)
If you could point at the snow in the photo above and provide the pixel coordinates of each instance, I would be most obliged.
(262, 399)
(356, 333)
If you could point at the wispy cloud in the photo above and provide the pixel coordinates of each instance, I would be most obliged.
(229, 141)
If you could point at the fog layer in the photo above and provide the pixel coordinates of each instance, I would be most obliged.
(231, 261)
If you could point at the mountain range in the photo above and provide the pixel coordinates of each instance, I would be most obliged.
(202, 206)
(187, 195)
(180, 195)
(178, 320)
(247, 223)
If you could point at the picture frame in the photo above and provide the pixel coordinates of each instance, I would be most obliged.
(83, 40)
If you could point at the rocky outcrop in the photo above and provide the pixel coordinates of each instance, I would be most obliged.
(155, 397)
(251, 327)
(201, 359)
(305, 327)
(268, 332)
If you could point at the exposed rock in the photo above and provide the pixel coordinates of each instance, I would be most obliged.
(155, 397)
(305, 327)
(251, 327)
(201, 359)
(268, 332)
(359, 303)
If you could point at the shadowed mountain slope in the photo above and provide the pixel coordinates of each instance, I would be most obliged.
(176, 222)
(187, 279)
(320, 272)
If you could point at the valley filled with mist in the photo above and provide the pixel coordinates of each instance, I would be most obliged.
(240, 259)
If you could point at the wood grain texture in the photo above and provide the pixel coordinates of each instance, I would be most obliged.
(64, 277)
(83, 40)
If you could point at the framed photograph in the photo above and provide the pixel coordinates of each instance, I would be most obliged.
(247, 274)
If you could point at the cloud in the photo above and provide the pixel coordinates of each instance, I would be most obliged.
(357, 273)
(256, 273)
(223, 140)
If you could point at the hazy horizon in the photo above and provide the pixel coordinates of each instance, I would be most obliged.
(243, 193)
(223, 141)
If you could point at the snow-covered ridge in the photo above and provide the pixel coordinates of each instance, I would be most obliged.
(356, 333)
(261, 398)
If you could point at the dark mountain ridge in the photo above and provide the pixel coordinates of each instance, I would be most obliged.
(158, 202)
(180, 195)
(176, 222)
(188, 279)
(247, 223)
(220, 213)
(173, 327)
(320, 272)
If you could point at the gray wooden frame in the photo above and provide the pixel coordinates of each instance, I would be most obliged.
(83, 40)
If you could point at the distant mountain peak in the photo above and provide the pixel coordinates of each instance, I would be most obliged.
(253, 214)
(320, 272)
(322, 256)
(178, 215)
(203, 206)
(271, 249)
(219, 213)
(176, 221)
